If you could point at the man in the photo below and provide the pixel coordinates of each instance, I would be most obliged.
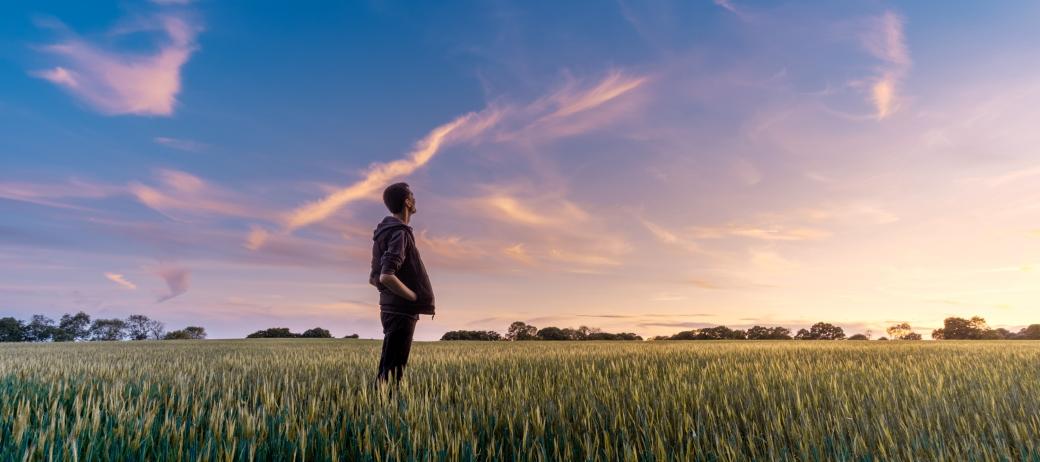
(399, 274)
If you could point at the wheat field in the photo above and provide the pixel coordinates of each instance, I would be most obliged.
(315, 400)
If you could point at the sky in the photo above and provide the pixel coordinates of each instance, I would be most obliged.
(646, 167)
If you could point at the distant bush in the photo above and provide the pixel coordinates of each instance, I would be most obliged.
(351, 336)
(316, 332)
(273, 332)
(188, 333)
(283, 332)
(487, 335)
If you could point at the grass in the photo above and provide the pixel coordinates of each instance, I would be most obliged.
(314, 400)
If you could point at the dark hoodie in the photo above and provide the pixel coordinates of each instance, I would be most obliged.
(394, 252)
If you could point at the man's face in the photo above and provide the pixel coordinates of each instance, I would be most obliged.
(410, 204)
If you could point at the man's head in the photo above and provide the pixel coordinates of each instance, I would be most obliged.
(398, 198)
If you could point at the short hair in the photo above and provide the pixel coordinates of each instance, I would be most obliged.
(394, 196)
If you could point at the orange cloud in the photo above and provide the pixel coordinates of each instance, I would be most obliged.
(119, 279)
(257, 237)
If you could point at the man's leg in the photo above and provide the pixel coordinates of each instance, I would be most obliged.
(397, 343)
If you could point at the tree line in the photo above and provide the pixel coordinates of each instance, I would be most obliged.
(954, 328)
(80, 327)
(519, 330)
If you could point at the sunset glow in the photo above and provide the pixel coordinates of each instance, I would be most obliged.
(632, 166)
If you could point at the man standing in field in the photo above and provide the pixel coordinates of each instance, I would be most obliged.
(399, 274)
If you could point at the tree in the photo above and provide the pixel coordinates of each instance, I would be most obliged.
(521, 331)
(911, 336)
(351, 336)
(858, 337)
(316, 332)
(551, 333)
(821, 331)
(188, 333)
(108, 329)
(40, 329)
(156, 329)
(1031, 332)
(12, 330)
(899, 330)
(137, 327)
(73, 327)
(955, 328)
(584, 331)
(196, 332)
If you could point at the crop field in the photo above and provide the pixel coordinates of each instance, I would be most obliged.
(315, 400)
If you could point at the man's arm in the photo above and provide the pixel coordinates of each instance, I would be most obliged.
(394, 284)
(391, 261)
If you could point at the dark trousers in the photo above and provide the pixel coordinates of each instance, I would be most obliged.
(397, 343)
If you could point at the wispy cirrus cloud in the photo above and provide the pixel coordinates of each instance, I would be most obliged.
(116, 82)
(884, 39)
(464, 128)
(56, 194)
(542, 211)
(180, 193)
(732, 8)
(669, 237)
(181, 144)
(119, 279)
(767, 233)
(573, 99)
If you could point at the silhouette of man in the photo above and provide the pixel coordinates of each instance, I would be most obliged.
(398, 272)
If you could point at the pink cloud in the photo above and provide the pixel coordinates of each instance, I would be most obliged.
(181, 192)
(116, 82)
(177, 281)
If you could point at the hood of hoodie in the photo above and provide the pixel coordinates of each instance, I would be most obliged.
(390, 222)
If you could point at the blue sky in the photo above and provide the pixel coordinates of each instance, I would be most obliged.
(648, 167)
